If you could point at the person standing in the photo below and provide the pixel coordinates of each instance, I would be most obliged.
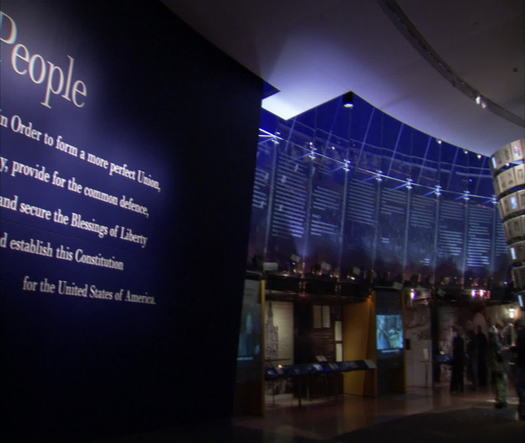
(520, 367)
(481, 346)
(473, 360)
(458, 362)
(497, 367)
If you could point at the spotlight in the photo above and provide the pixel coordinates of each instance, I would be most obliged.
(439, 141)
(346, 166)
(437, 190)
(465, 152)
(408, 184)
(479, 156)
(378, 175)
(348, 100)
(480, 101)
(312, 148)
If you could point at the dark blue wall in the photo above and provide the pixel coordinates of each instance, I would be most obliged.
(162, 100)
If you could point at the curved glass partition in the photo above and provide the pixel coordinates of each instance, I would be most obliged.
(346, 192)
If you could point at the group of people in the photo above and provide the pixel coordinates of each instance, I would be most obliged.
(493, 355)
(473, 356)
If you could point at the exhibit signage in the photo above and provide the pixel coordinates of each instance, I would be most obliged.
(77, 212)
(41, 71)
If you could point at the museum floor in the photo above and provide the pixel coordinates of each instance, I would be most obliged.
(422, 415)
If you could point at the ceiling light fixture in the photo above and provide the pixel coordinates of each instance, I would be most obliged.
(348, 100)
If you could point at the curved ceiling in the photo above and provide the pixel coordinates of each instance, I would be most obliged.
(314, 51)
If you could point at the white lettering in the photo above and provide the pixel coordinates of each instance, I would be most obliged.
(39, 69)
(11, 37)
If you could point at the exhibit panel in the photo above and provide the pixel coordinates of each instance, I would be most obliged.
(418, 336)
(104, 146)
(411, 205)
(290, 203)
(390, 341)
(361, 222)
(421, 243)
(392, 229)
(249, 381)
(480, 232)
(279, 330)
(451, 239)
(325, 221)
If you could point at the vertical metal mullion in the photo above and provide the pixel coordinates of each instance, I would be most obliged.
(308, 219)
(343, 220)
(366, 136)
(396, 145)
(376, 223)
(430, 138)
(493, 240)
(465, 241)
(436, 238)
(407, 221)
